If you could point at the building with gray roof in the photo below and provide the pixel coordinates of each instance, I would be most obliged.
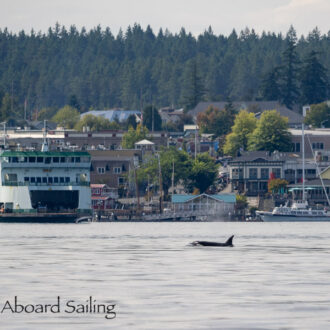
(113, 114)
(257, 107)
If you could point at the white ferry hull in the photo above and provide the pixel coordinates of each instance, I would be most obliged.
(269, 217)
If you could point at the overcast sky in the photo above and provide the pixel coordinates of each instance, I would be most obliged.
(194, 15)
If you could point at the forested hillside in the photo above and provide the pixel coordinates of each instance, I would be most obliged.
(99, 70)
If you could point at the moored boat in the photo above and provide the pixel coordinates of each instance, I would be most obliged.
(44, 186)
(299, 211)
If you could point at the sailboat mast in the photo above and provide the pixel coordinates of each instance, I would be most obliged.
(303, 160)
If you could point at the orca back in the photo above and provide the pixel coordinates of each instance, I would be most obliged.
(229, 242)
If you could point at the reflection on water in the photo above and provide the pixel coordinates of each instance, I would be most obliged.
(276, 275)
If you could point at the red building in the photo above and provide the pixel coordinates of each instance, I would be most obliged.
(103, 197)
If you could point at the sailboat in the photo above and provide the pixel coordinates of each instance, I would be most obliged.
(299, 210)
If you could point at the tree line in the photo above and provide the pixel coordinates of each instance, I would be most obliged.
(95, 69)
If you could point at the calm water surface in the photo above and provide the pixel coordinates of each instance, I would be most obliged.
(276, 277)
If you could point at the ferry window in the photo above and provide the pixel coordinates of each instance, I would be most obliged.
(14, 159)
(47, 160)
(32, 180)
(67, 179)
(61, 179)
(32, 159)
(84, 159)
(50, 180)
(26, 179)
(44, 179)
(5, 159)
(11, 177)
(21, 159)
(56, 159)
(40, 159)
(39, 179)
(77, 159)
(72, 159)
(56, 179)
(62, 159)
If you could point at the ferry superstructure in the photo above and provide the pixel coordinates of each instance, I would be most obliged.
(44, 186)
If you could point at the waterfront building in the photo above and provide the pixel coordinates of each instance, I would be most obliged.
(220, 205)
(251, 172)
(103, 197)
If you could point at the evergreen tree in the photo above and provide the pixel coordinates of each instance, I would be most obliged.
(270, 89)
(193, 88)
(151, 118)
(314, 81)
(5, 107)
(73, 102)
(289, 71)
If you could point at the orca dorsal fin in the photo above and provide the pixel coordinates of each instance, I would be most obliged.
(230, 240)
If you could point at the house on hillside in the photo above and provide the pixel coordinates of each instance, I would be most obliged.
(257, 107)
(113, 114)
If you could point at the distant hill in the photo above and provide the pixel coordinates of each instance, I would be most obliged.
(139, 67)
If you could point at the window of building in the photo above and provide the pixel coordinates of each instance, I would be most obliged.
(265, 173)
(317, 145)
(276, 172)
(253, 173)
(121, 180)
(117, 170)
(100, 170)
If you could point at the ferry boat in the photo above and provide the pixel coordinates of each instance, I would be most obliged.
(299, 211)
(45, 186)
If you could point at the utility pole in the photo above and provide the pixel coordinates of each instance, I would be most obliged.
(195, 142)
(152, 113)
(12, 97)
